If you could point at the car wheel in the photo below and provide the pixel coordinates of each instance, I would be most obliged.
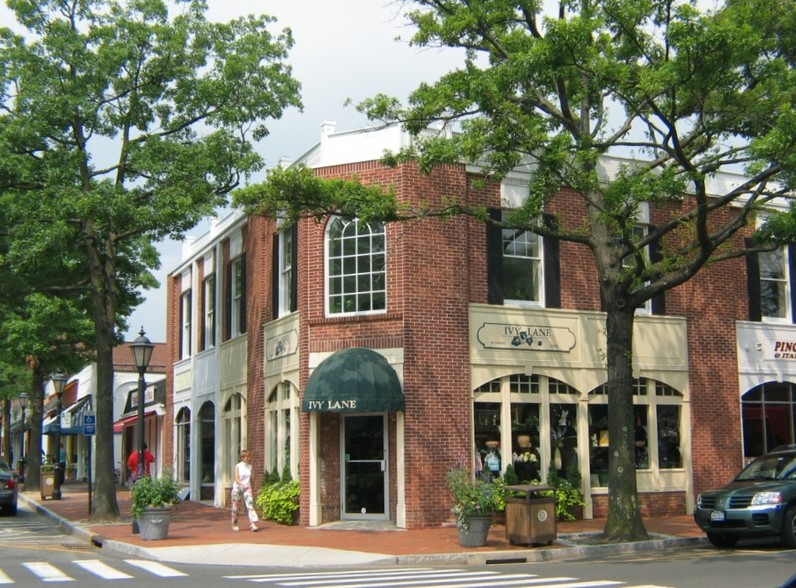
(722, 541)
(12, 510)
(788, 533)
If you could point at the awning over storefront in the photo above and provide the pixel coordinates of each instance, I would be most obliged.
(71, 419)
(353, 380)
(123, 422)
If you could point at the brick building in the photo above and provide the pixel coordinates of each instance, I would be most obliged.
(369, 359)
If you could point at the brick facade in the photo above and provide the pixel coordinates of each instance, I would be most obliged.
(436, 269)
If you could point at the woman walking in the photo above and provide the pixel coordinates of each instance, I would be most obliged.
(242, 491)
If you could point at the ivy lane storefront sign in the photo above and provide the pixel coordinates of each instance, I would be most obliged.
(530, 337)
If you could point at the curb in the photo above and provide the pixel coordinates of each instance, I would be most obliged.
(569, 551)
(538, 555)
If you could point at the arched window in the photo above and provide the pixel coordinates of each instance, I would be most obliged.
(234, 432)
(207, 455)
(183, 442)
(281, 418)
(657, 419)
(542, 413)
(356, 267)
(769, 414)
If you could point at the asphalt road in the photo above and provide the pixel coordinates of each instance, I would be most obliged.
(34, 551)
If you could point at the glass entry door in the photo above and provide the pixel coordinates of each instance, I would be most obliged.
(365, 469)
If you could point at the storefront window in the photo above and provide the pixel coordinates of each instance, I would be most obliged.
(669, 437)
(641, 437)
(525, 441)
(564, 438)
(598, 444)
(769, 417)
(487, 438)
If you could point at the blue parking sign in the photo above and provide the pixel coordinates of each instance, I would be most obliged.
(89, 423)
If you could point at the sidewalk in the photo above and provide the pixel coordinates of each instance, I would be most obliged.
(201, 533)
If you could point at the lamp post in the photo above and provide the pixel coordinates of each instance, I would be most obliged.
(59, 381)
(23, 403)
(142, 353)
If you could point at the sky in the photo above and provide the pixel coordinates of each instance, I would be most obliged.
(343, 49)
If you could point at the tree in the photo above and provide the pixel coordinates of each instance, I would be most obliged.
(123, 123)
(685, 93)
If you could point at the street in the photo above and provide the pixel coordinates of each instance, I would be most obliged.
(34, 551)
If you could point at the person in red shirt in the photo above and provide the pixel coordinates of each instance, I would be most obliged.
(132, 463)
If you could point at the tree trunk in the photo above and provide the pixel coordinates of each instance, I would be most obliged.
(7, 431)
(104, 506)
(35, 412)
(624, 516)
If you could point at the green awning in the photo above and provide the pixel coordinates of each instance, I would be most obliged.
(353, 380)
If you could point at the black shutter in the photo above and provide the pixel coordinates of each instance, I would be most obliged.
(275, 278)
(242, 293)
(753, 284)
(494, 259)
(658, 303)
(294, 272)
(551, 265)
(228, 301)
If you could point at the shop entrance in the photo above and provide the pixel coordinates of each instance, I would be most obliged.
(365, 467)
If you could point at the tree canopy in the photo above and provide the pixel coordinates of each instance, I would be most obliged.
(122, 123)
(681, 93)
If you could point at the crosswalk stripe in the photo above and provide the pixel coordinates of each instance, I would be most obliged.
(4, 579)
(155, 568)
(47, 572)
(404, 579)
(466, 580)
(101, 569)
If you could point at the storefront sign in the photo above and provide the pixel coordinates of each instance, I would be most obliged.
(281, 345)
(332, 405)
(779, 349)
(536, 338)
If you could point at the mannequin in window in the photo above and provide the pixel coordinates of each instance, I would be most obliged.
(492, 459)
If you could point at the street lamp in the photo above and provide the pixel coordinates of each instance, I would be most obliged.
(142, 353)
(59, 381)
(23, 403)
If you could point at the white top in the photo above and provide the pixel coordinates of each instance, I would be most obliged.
(243, 473)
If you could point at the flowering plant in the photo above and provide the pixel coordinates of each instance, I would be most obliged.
(526, 457)
(471, 497)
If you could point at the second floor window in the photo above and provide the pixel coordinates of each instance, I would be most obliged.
(185, 320)
(774, 295)
(209, 312)
(285, 286)
(356, 267)
(522, 261)
(236, 297)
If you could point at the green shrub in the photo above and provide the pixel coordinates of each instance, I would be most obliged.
(278, 501)
(148, 491)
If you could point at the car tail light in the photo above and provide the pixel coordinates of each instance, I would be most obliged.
(10, 484)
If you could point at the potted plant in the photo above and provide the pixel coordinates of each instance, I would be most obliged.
(151, 503)
(475, 502)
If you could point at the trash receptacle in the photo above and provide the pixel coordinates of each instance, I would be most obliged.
(48, 473)
(530, 516)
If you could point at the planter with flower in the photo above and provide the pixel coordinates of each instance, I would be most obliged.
(151, 503)
(475, 503)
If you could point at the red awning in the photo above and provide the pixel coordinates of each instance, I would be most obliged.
(122, 423)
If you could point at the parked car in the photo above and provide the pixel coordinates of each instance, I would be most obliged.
(759, 502)
(9, 489)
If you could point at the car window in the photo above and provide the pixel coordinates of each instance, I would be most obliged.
(4, 467)
(770, 467)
